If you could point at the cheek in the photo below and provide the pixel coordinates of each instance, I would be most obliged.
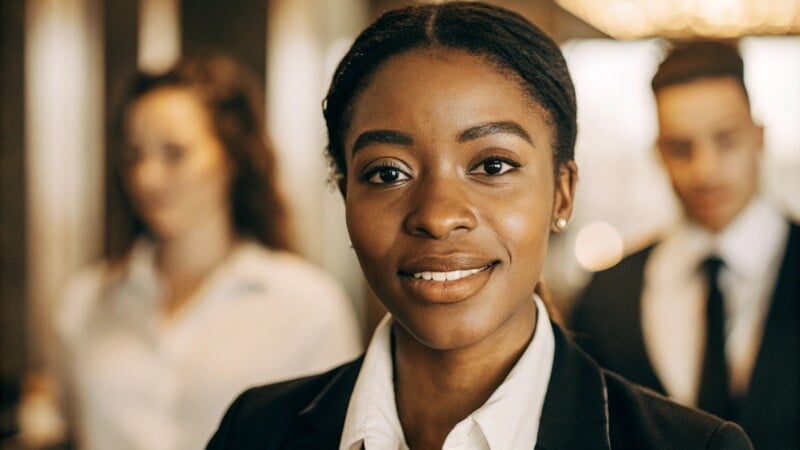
(362, 223)
(374, 229)
(207, 176)
(525, 230)
(521, 223)
(744, 167)
(679, 175)
(373, 221)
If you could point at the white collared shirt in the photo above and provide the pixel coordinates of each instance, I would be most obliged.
(139, 382)
(508, 420)
(673, 300)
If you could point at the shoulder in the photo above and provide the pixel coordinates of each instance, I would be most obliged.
(611, 289)
(634, 261)
(794, 234)
(262, 417)
(641, 418)
(81, 294)
(285, 272)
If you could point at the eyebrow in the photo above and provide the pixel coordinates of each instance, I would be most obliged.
(381, 137)
(486, 129)
(398, 138)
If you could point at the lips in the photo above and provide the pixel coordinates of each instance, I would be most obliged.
(446, 279)
(444, 264)
(452, 275)
(707, 199)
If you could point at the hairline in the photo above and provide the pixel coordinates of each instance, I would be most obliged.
(494, 60)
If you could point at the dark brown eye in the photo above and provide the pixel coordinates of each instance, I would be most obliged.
(174, 153)
(385, 175)
(389, 175)
(495, 166)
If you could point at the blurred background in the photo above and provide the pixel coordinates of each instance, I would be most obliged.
(65, 62)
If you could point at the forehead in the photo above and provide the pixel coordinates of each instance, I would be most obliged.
(442, 83)
(168, 108)
(702, 105)
(168, 96)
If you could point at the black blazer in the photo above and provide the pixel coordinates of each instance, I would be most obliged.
(586, 408)
(606, 321)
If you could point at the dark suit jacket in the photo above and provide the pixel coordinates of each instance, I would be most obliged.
(585, 408)
(606, 320)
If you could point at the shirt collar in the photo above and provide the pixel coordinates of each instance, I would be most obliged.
(242, 269)
(747, 245)
(141, 278)
(508, 419)
(754, 238)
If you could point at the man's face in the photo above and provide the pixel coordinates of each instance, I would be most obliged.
(710, 147)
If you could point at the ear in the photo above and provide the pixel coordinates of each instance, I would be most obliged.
(564, 195)
(759, 136)
(659, 151)
(341, 182)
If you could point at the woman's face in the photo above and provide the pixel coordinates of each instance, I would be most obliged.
(176, 169)
(450, 195)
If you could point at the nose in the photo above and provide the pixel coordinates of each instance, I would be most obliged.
(705, 162)
(441, 209)
(146, 174)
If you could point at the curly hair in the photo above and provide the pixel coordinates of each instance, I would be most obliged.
(232, 98)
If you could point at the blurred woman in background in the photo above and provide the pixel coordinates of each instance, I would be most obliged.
(197, 297)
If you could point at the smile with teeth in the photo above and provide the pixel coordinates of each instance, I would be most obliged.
(448, 276)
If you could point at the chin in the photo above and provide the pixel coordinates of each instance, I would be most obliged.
(162, 230)
(447, 333)
(713, 223)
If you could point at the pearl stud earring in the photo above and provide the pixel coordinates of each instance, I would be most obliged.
(561, 223)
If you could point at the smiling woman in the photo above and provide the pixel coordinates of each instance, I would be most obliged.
(466, 185)
(452, 128)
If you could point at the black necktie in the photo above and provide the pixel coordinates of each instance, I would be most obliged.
(714, 395)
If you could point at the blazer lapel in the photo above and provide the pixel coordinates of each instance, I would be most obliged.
(574, 416)
(322, 420)
(771, 414)
(575, 412)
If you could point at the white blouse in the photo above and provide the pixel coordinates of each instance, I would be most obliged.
(508, 420)
(134, 381)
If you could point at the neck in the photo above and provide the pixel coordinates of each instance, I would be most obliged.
(436, 389)
(186, 259)
(717, 226)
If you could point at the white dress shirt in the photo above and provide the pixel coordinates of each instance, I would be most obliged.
(673, 300)
(139, 382)
(508, 420)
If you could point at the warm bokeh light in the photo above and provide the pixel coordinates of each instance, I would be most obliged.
(631, 19)
(159, 35)
(598, 246)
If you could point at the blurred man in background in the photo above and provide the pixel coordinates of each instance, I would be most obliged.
(709, 314)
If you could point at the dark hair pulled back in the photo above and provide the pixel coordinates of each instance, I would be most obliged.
(503, 37)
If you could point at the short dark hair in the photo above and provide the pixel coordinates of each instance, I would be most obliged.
(503, 37)
(233, 100)
(696, 60)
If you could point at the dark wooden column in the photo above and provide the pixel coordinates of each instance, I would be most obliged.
(237, 28)
(120, 53)
(12, 210)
